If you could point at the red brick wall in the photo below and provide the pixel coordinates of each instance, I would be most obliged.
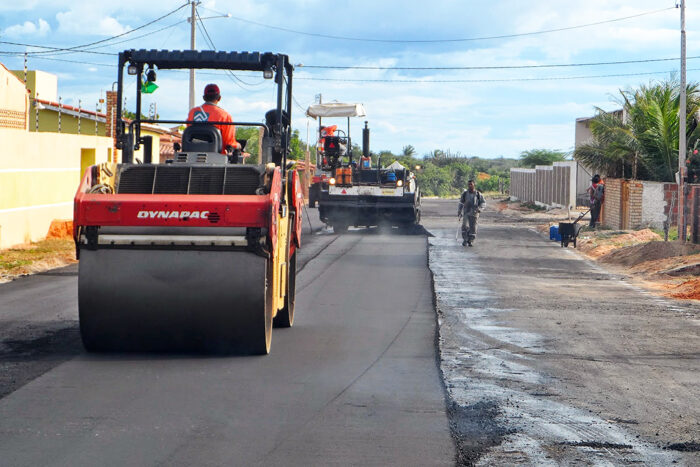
(694, 213)
(670, 190)
(612, 211)
(635, 207)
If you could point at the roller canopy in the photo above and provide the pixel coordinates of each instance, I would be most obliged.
(336, 109)
(179, 59)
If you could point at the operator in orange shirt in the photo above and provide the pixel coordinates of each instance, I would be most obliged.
(211, 112)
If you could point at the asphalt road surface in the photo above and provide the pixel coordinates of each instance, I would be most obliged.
(538, 357)
(355, 382)
(552, 360)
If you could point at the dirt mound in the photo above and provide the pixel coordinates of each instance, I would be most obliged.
(598, 244)
(649, 251)
(60, 229)
(674, 265)
(688, 290)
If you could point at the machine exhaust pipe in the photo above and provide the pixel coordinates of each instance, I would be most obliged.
(365, 140)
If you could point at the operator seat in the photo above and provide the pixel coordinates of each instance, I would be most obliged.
(202, 137)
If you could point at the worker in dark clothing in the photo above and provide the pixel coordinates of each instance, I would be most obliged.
(597, 195)
(470, 204)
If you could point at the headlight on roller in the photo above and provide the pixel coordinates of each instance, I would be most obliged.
(331, 181)
(399, 182)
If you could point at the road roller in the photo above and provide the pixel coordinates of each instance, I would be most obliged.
(197, 254)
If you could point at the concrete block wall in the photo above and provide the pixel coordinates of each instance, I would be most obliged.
(523, 184)
(565, 186)
(548, 185)
(541, 186)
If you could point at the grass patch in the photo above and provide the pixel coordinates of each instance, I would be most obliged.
(533, 206)
(21, 260)
(672, 233)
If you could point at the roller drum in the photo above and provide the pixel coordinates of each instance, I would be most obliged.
(174, 300)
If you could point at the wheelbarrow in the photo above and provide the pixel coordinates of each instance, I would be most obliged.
(569, 231)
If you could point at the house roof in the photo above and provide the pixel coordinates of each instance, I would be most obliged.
(74, 111)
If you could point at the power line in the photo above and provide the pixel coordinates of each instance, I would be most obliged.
(400, 80)
(106, 45)
(502, 67)
(129, 31)
(77, 47)
(203, 28)
(424, 41)
(499, 80)
(141, 36)
(53, 49)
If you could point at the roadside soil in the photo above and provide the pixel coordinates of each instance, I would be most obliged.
(667, 269)
(36, 257)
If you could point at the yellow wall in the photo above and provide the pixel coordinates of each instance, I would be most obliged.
(46, 84)
(39, 174)
(13, 98)
(155, 149)
(48, 121)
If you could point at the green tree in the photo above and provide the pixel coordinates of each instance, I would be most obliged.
(296, 147)
(645, 142)
(408, 151)
(251, 135)
(535, 157)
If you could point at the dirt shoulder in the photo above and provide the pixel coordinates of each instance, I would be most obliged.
(36, 257)
(666, 268)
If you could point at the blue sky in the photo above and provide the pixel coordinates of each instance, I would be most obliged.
(484, 117)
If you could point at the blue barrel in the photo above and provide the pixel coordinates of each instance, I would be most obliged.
(391, 176)
(554, 233)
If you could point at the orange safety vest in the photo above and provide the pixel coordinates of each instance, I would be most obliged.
(326, 131)
(213, 113)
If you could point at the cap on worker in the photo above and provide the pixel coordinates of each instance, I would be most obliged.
(211, 91)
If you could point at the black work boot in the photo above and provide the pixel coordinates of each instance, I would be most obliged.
(464, 243)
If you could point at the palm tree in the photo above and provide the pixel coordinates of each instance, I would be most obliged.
(408, 151)
(613, 146)
(646, 134)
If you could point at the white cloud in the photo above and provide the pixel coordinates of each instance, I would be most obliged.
(40, 29)
(88, 22)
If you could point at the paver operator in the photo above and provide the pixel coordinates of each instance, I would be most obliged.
(470, 204)
(211, 112)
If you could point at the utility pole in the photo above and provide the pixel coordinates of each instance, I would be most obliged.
(193, 28)
(682, 136)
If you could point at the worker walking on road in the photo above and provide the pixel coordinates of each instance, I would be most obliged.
(470, 204)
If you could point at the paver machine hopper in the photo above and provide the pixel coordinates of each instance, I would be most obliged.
(198, 254)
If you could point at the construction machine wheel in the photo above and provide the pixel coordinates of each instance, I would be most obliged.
(285, 316)
(340, 228)
(407, 228)
(261, 346)
(175, 300)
